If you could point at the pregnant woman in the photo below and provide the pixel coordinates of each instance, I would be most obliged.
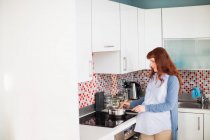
(157, 117)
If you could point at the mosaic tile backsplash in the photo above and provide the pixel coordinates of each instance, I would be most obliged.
(111, 83)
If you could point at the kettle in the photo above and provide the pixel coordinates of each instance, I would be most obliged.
(134, 90)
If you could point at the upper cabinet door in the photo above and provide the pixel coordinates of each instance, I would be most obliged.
(202, 21)
(177, 22)
(141, 34)
(105, 26)
(129, 38)
(153, 31)
(186, 22)
(84, 39)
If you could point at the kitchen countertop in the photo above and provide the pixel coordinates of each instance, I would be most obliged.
(88, 132)
(195, 110)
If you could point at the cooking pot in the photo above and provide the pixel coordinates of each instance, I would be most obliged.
(116, 111)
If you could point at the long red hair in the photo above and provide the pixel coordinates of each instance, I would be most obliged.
(164, 64)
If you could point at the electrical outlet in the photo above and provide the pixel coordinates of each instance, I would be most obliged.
(121, 82)
(207, 96)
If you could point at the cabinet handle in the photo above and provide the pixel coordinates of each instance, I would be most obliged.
(90, 68)
(198, 123)
(109, 46)
(125, 64)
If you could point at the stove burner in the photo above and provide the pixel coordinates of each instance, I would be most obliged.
(103, 119)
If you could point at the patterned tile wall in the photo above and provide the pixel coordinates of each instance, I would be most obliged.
(111, 84)
(192, 78)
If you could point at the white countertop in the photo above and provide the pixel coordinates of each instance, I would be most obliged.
(194, 110)
(88, 132)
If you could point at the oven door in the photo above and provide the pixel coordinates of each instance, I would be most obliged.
(127, 134)
(120, 136)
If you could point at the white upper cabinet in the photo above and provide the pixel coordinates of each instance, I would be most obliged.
(105, 26)
(84, 39)
(141, 38)
(202, 21)
(125, 60)
(177, 22)
(129, 38)
(186, 22)
(153, 32)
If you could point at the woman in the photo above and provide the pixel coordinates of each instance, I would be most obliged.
(157, 117)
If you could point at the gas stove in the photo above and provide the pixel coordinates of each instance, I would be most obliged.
(103, 119)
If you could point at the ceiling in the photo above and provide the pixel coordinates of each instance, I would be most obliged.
(149, 4)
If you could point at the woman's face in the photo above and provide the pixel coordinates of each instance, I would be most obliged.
(153, 64)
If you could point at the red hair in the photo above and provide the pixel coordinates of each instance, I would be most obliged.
(164, 64)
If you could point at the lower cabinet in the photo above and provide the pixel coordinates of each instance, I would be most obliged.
(190, 126)
(206, 126)
(193, 126)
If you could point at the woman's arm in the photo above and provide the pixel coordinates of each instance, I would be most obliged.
(171, 97)
(137, 102)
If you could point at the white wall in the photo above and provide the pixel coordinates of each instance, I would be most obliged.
(38, 83)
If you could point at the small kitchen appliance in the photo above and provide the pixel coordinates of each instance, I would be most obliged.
(99, 101)
(134, 90)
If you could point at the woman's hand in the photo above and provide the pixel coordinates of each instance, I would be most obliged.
(139, 108)
(125, 104)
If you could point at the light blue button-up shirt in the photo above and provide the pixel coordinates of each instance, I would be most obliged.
(151, 123)
(170, 104)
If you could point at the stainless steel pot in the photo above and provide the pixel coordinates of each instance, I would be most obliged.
(116, 111)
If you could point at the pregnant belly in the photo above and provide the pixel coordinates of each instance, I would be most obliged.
(152, 123)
